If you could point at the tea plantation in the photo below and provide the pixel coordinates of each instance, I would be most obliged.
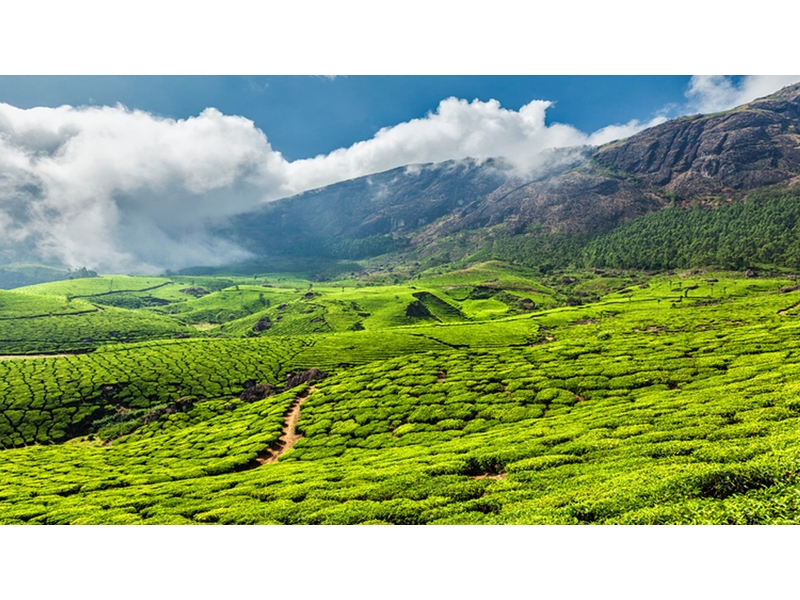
(487, 395)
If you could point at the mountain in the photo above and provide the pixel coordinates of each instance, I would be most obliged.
(571, 191)
(752, 146)
(394, 202)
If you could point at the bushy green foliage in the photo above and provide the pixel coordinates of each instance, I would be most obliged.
(83, 329)
(649, 406)
(763, 230)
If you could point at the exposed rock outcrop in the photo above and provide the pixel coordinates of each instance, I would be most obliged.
(262, 324)
(754, 145)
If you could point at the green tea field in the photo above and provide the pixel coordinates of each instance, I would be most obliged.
(488, 395)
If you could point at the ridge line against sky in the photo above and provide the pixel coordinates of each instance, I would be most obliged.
(108, 187)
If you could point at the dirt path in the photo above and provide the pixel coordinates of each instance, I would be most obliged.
(487, 476)
(290, 436)
(786, 310)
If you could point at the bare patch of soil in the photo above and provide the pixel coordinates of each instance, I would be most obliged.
(786, 310)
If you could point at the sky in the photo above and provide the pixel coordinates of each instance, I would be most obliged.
(304, 116)
(126, 173)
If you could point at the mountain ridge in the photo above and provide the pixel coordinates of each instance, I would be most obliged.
(714, 157)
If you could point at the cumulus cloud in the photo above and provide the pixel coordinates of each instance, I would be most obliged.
(457, 129)
(714, 93)
(115, 189)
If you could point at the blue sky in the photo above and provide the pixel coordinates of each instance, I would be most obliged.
(303, 116)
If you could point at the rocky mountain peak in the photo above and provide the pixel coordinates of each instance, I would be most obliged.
(753, 145)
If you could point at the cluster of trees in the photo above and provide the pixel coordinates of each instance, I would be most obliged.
(762, 229)
(81, 273)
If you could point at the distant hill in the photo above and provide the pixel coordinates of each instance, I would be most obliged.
(18, 275)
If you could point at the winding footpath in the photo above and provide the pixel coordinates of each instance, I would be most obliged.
(289, 436)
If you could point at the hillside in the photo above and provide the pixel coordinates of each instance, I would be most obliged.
(751, 146)
(706, 158)
(609, 338)
(667, 401)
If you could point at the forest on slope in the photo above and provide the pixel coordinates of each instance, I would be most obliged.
(762, 230)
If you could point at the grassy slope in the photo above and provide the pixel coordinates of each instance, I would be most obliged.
(657, 404)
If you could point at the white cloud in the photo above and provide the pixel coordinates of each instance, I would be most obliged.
(714, 93)
(457, 129)
(114, 189)
(124, 190)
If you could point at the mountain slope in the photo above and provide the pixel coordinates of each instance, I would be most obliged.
(392, 202)
(572, 191)
(754, 145)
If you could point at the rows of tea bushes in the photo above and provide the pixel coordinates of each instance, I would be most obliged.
(292, 318)
(542, 434)
(85, 330)
(158, 308)
(674, 401)
(341, 350)
(50, 399)
(214, 437)
(15, 305)
(224, 305)
(92, 286)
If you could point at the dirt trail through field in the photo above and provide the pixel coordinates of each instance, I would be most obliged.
(786, 310)
(290, 436)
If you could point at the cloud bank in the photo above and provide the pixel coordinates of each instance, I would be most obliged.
(121, 190)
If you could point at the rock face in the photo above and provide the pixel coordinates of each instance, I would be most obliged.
(257, 391)
(262, 324)
(180, 405)
(296, 379)
(754, 145)
(197, 292)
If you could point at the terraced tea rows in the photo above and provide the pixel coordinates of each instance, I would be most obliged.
(51, 399)
(84, 330)
(674, 401)
(494, 436)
